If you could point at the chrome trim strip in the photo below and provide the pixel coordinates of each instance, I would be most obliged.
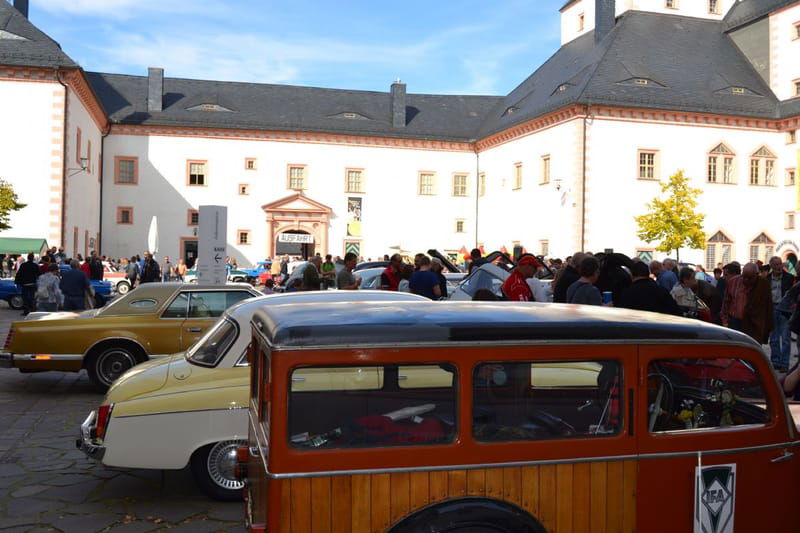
(572, 460)
(184, 412)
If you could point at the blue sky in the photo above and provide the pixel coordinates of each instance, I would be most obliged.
(445, 47)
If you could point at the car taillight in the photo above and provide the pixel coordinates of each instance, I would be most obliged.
(9, 338)
(103, 415)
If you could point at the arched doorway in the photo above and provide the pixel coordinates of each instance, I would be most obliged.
(294, 243)
(299, 216)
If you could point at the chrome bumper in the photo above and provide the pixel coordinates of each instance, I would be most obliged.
(86, 443)
(6, 360)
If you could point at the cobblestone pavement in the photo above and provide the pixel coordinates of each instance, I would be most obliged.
(46, 484)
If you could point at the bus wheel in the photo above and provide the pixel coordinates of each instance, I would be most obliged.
(470, 515)
(213, 468)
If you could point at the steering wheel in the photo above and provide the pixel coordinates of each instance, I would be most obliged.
(664, 399)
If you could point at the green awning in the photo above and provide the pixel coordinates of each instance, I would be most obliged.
(20, 246)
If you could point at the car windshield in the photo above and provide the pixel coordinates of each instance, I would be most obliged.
(211, 348)
(481, 279)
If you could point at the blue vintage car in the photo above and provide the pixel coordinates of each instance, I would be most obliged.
(253, 274)
(12, 293)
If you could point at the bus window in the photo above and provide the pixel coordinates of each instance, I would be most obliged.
(349, 407)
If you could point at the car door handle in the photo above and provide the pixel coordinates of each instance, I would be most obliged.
(785, 457)
(194, 330)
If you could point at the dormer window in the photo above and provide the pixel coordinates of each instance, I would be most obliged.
(563, 87)
(510, 110)
(738, 90)
(349, 115)
(209, 107)
(640, 81)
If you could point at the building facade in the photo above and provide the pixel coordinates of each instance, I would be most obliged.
(639, 90)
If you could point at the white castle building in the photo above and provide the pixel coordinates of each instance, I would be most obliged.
(638, 90)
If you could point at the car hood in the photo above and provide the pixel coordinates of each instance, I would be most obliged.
(142, 379)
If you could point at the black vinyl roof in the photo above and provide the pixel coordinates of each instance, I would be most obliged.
(23, 44)
(394, 323)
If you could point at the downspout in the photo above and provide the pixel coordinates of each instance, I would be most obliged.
(583, 178)
(100, 204)
(477, 189)
(64, 160)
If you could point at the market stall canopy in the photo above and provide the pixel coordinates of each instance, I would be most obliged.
(22, 246)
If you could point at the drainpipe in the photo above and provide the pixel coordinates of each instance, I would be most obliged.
(587, 113)
(65, 157)
(100, 205)
(477, 189)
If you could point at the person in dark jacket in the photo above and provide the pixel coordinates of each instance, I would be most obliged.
(645, 294)
(26, 278)
(151, 271)
(74, 284)
(95, 267)
(569, 276)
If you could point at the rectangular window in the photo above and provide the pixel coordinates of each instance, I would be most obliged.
(124, 215)
(459, 184)
(695, 394)
(712, 169)
(727, 170)
(250, 163)
(768, 253)
(297, 177)
(354, 181)
(544, 248)
(726, 254)
(796, 87)
(426, 184)
(243, 236)
(711, 255)
(421, 411)
(517, 176)
(713, 7)
(796, 32)
(482, 184)
(789, 220)
(197, 173)
(193, 217)
(671, 4)
(755, 171)
(791, 136)
(769, 172)
(647, 165)
(244, 189)
(754, 253)
(790, 176)
(459, 225)
(126, 170)
(545, 169)
(515, 401)
(581, 22)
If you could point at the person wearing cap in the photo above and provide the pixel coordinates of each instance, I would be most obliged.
(437, 267)
(516, 287)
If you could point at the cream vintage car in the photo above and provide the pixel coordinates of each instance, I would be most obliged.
(191, 407)
(154, 319)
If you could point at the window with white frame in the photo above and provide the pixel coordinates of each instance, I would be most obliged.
(460, 225)
(459, 184)
(718, 250)
(720, 165)
(545, 169)
(544, 248)
(354, 181)
(517, 176)
(761, 248)
(297, 177)
(648, 165)
(197, 173)
(762, 167)
(427, 185)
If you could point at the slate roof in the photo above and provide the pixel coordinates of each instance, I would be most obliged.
(287, 107)
(693, 68)
(34, 49)
(747, 11)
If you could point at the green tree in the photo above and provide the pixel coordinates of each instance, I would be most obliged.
(8, 203)
(673, 220)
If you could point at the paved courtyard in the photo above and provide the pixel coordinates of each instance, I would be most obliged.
(46, 484)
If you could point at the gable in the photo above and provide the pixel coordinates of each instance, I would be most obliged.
(297, 202)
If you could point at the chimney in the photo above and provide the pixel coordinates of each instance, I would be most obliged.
(398, 104)
(22, 7)
(155, 89)
(605, 17)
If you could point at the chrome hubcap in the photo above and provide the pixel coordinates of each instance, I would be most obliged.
(222, 462)
(113, 363)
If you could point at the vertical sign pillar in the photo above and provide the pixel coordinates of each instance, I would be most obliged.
(212, 245)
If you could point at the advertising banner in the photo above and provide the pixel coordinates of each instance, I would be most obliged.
(212, 245)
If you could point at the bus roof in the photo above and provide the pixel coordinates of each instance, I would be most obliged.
(377, 323)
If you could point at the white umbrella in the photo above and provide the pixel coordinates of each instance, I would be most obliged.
(152, 236)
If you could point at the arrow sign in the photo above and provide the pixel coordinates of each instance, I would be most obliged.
(217, 258)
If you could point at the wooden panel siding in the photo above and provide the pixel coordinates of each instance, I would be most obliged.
(565, 498)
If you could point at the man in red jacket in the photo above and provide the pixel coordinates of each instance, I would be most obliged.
(516, 287)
